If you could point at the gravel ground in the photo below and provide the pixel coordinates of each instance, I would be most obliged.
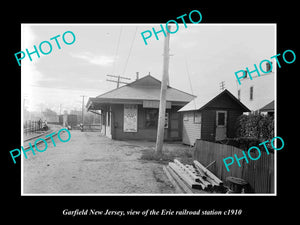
(92, 164)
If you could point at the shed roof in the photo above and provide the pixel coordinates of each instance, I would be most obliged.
(146, 88)
(200, 103)
(268, 107)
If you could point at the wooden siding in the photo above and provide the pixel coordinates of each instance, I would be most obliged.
(144, 133)
(232, 116)
(223, 102)
(207, 129)
(208, 125)
(191, 130)
(259, 173)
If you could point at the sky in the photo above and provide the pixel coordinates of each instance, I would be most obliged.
(202, 55)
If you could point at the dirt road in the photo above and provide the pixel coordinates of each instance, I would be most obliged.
(90, 163)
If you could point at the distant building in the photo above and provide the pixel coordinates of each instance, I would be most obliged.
(131, 111)
(212, 118)
(68, 120)
(259, 91)
(268, 109)
(50, 116)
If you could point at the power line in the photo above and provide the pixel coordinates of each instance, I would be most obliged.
(187, 70)
(129, 51)
(118, 81)
(117, 49)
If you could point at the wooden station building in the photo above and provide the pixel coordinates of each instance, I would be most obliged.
(212, 119)
(130, 112)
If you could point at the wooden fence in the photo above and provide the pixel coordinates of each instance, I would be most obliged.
(92, 127)
(259, 173)
(32, 126)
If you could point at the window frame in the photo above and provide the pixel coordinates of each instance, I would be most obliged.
(225, 118)
(155, 120)
(197, 122)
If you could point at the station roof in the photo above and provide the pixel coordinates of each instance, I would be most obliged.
(200, 103)
(146, 88)
(268, 107)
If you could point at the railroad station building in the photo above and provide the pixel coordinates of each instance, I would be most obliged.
(130, 112)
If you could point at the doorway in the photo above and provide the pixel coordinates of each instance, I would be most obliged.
(221, 125)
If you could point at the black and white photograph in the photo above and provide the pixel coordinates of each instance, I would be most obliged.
(104, 83)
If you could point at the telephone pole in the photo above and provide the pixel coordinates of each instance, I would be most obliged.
(163, 93)
(118, 81)
(82, 108)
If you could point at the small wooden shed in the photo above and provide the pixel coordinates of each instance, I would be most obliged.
(211, 119)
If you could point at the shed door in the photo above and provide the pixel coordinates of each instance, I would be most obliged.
(221, 125)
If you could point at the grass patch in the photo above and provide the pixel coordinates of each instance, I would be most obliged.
(170, 152)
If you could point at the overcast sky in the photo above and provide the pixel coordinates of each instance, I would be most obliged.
(205, 53)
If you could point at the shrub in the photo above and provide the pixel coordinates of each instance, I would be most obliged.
(260, 127)
(252, 130)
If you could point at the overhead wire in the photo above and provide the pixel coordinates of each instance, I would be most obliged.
(190, 82)
(126, 63)
(117, 49)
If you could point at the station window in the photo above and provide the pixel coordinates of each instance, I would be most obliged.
(151, 118)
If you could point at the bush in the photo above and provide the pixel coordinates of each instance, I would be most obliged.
(260, 127)
(252, 130)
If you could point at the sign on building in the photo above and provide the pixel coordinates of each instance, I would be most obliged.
(154, 104)
(130, 118)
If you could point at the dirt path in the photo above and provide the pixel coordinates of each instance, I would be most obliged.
(90, 163)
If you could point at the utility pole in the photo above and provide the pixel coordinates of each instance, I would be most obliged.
(163, 93)
(82, 108)
(118, 81)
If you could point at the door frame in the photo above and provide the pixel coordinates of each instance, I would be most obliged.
(221, 126)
